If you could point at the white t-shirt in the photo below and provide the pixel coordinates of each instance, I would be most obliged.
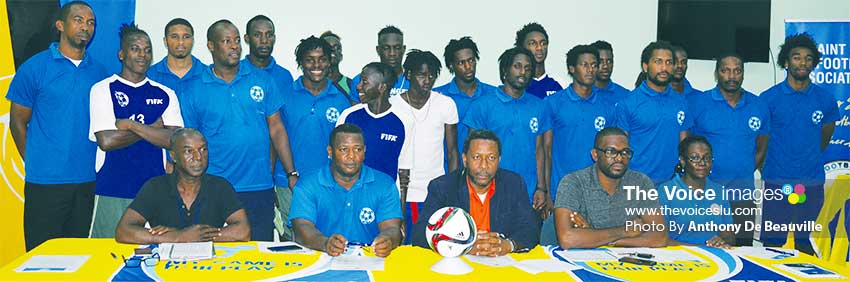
(428, 137)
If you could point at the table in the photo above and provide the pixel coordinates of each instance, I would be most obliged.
(243, 261)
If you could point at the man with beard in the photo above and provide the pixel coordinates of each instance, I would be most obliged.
(434, 119)
(802, 117)
(179, 64)
(309, 114)
(347, 203)
(461, 56)
(533, 37)
(604, 86)
(654, 116)
(236, 106)
(132, 118)
(590, 209)
(736, 123)
(390, 49)
(513, 114)
(339, 80)
(495, 198)
(259, 34)
(679, 83)
(49, 120)
(570, 120)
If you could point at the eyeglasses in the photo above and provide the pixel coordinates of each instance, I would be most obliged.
(696, 159)
(137, 261)
(613, 153)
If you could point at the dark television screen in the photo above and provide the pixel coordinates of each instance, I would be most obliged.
(709, 28)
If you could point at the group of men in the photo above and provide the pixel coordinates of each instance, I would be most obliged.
(186, 147)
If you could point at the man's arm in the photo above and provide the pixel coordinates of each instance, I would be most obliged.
(237, 228)
(543, 155)
(389, 237)
(156, 133)
(403, 182)
(451, 146)
(280, 141)
(826, 134)
(131, 230)
(19, 119)
(109, 140)
(571, 237)
(648, 238)
(307, 235)
(761, 150)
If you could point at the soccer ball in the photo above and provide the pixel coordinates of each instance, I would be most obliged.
(451, 232)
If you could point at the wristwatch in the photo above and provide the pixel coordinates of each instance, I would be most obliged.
(293, 173)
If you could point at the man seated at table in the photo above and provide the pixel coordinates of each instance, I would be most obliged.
(591, 205)
(696, 159)
(187, 205)
(495, 198)
(346, 203)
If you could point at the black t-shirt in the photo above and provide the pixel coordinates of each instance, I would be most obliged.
(160, 203)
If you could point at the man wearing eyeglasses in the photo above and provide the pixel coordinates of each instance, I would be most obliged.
(591, 205)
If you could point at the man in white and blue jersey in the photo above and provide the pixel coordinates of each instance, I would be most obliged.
(179, 65)
(534, 38)
(390, 49)
(260, 36)
(604, 87)
(132, 118)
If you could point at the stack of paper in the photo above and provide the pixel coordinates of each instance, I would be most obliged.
(586, 254)
(534, 266)
(498, 261)
(355, 262)
(47, 263)
(186, 251)
(659, 255)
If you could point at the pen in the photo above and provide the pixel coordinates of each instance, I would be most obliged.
(113, 255)
(780, 252)
(357, 244)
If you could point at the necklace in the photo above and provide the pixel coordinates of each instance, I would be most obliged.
(427, 106)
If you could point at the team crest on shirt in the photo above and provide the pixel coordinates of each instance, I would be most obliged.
(123, 99)
(367, 215)
(680, 117)
(257, 93)
(755, 123)
(533, 125)
(332, 114)
(817, 116)
(599, 123)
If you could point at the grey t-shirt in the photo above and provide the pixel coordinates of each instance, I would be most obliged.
(580, 191)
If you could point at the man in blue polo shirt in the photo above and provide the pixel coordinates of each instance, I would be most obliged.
(236, 107)
(390, 49)
(514, 115)
(802, 117)
(49, 90)
(179, 65)
(534, 38)
(736, 123)
(655, 119)
(346, 202)
(604, 87)
(678, 82)
(259, 34)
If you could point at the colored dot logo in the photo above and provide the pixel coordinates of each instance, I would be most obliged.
(796, 194)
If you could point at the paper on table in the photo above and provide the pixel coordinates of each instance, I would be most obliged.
(808, 270)
(264, 248)
(534, 266)
(586, 254)
(186, 251)
(48, 263)
(355, 262)
(498, 261)
(659, 255)
(763, 253)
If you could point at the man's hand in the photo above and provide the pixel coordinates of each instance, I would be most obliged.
(125, 124)
(490, 244)
(542, 203)
(717, 242)
(159, 230)
(198, 233)
(579, 221)
(382, 246)
(335, 245)
(292, 180)
(634, 231)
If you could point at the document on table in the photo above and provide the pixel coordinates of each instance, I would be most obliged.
(534, 266)
(763, 253)
(659, 255)
(808, 270)
(498, 261)
(48, 263)
(586, 254)
(357, 262)
(186, 251)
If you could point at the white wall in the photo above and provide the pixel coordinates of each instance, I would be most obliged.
(628, 25)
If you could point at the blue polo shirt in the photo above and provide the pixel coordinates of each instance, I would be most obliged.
(543, 86)
(732, 133)
(653, 121)
(516, 123)
(160, 72)
(793, 150)
(353, 213)
(709, 208)
(309, 120)
(401, 85)
(232, 116)
(58, 151)
(282, 77)
(612, 91)
(687, 90)
(574, 122)
(462, 102)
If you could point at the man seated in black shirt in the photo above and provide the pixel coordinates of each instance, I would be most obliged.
(187, 205)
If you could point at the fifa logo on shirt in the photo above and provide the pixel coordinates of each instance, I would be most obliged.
(123, 99)
(257, 93)
(680, 117)
(796, 195)
(755, 123)
(153, 101)
(817, 116)
(532, 124)
(367, 215)
(388, 137)
(599, 123)
(332, 114)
